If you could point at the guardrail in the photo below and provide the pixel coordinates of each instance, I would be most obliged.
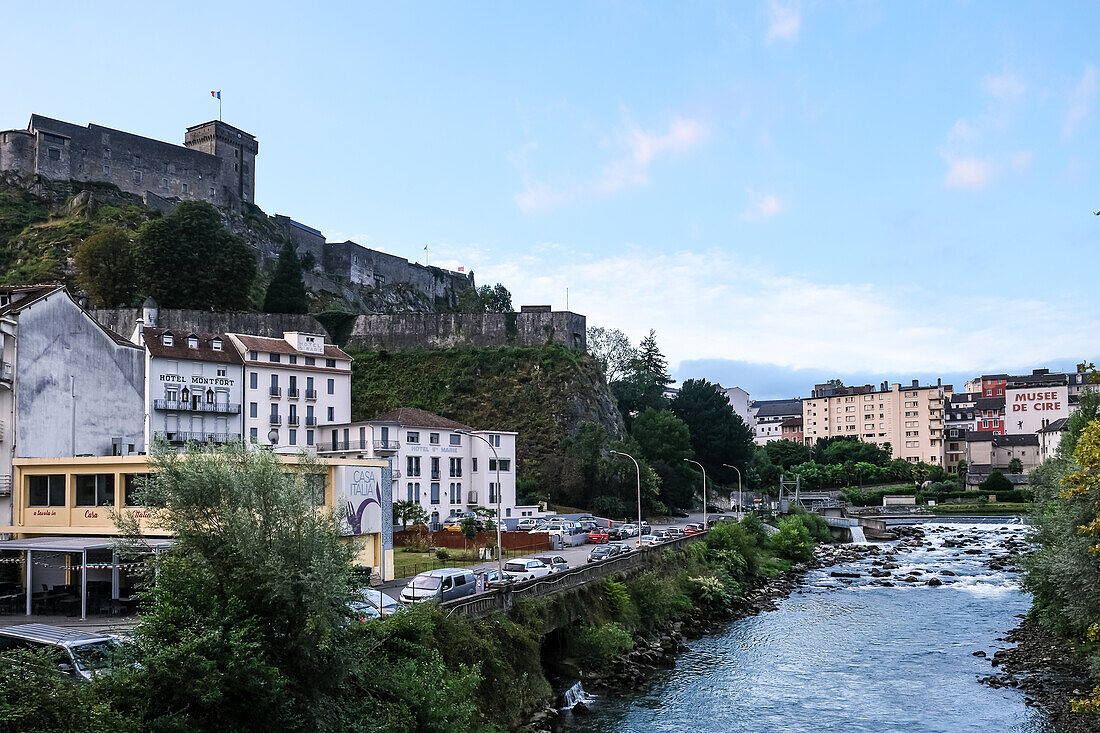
(502, 599)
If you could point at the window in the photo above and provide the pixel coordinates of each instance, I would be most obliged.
(456, 439)
(505, 464)
(293, 359)
(253, 409)
(222, 372)
(53, 153)
(253, 355)
(46, 490)
(492, 493)
(331, 414)
(310, 361)
(456, 467)
(433, 438)
(137, 176)
(253, 380)
(184, 188)
(332, 386)
(473, 464)
(216, 344)
(456, 493)
(412, 437)
(192, 342)
(309, 437)
(164, 183)
(211, 192)
(435, 469)
(167, 339)
(253, 435)
(412, 465)
(330, 363)
(275, 358)
(131, 482)
(293, 436)
(435, 493)
(95, 489)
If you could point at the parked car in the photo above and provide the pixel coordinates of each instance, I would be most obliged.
(598, 536)
(556, 563)
(674, 532)
(586, 518)
(78, 653)
(490, 578)
(587, 525)
(363, 611)
(526, 525)
(711, 521)
(693, 528)
(605, 552)
(648, 540)
(626, 531)
(619, 547)
(661, 535)
(446, 584)
(521, 570)
(384, 604)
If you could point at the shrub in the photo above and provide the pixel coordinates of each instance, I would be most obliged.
(596, 646)
(819, 528)
(996, 482)
(793, 540)
(618, 600)
(754, 526)
(608, 506)
(710, 593)
(656, 599)
(441, 553)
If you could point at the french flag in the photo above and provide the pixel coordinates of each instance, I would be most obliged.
(216, 95)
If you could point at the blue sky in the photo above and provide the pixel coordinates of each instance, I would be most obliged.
(780, 189)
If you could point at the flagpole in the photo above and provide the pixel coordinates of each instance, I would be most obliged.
(219, 105)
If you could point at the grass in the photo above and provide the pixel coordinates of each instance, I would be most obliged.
(991, 508)
(407, 564)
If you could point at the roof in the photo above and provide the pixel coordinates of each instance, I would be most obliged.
(180, 350)
(777, 408)
(1030, 379)
(74, 544)
(51, 634)
(282, 346)
(990, 403)
(36, 293)
(979, 436)
(791, 422)
(1057, 426)
(987, 377)
(413, 417)
(1015, 440)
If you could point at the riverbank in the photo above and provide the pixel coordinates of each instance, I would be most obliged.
(1048, 672)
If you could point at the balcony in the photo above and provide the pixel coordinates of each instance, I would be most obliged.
(198, 437)
(338, 445)
(311, 394)
(435, 475)
(276, 419)
(386, 446)
(5, 485)
(6, 372)
(292, 420)
(395, 474)
(276, 391)
(221, 408)
(310, 421)
(292, 393)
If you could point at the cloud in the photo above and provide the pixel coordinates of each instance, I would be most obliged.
(712, 305)
(967, 173)
(1021, 161)
(962, 130)
(1080, 102)
(761, 207)
(1006, 87)
(784, 21)
(640, 148)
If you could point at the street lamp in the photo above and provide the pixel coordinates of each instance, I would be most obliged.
(740, 504)
(638, 469)
(700, 465)
(496, 459)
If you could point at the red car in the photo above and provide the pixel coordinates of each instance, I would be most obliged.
(598, 536)
(693, 528)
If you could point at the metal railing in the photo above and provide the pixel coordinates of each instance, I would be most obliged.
(199, 437)
(6, 372)
(311, 394)
(225, 408)
(310, 421)
(275, 391)
(386, 445)
(292, 420)
(276, 419)
(292, 393)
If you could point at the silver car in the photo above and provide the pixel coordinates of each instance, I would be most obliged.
(440, 585)
(79, 653)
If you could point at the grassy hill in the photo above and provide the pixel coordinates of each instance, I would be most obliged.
(543, 393)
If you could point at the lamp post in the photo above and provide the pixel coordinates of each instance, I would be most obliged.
(496, 460)
(700, 465)
(740, 504)
(638, 469)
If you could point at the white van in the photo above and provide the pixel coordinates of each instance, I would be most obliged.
(440, 585)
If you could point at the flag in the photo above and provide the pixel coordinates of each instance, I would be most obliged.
(425, 248)
(462, 269)
(217, 94)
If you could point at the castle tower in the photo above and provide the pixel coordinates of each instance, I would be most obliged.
(236, 149)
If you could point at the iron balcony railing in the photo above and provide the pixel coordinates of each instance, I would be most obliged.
(386, 446)
(339, 445)
(310, 421)
(292, 393)
(275, 391)
(198, 437)
(276, 419)
(223, 408)
(311, 394)
(292, 420)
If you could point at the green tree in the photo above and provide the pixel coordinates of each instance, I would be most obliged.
(793, 540)
(1088, 410)
(846, 450)
(409, 512)
(469, 528)
(287, 291)
(645, 381)
(786, 453)
(106, 267)
(996, 481)
(486, 299)
(718, 434)
(1015, 466)
(762, 474)
(665, 442)
(837, 383)
(188, 259)
(611, 348)
(962, 468)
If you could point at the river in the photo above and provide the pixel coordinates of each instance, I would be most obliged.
(852, 655)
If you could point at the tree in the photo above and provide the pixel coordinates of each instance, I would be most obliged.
(793, 540)
(996, 481)
(469, 528)
(665, 442)
(843, 451)
(1015, 466)
(786, 453)
(762, 474)
(486, 299)
(1088, 410)
(718, 434)
(611, 349)
(645, 382)
(106, 267)
(188, 259)
(409, 512)
(287, 291)
(962, 467)
(838, 384)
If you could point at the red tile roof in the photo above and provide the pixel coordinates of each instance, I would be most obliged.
(180, 350)
(281, 346)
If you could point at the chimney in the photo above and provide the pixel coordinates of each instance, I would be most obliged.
(915, 383)
(939, 381)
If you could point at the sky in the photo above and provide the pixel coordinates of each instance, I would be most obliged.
(784, 191)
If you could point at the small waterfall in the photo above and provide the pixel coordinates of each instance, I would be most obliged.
(574, 696)
(857, 534)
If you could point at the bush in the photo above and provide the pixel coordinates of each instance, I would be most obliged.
(710, 593)
(793, 540)
(609, 506)
(618, 601)
(596, 646)
(656, 599)
(754, 526)
(996, 482)
(819, 528)
(441, 553)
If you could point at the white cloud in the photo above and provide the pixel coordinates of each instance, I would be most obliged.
(1006, 87)
(784, 21)
(761, 207)
(967, 173)
(640, 148)
(962, 130)
(734, 311)
(1021, 161)
(1080, 102)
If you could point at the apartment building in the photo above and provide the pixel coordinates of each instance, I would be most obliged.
(910, 419)
(768, 417)
(296, 389)
(739, 403)
(194, 384)
(448, 467)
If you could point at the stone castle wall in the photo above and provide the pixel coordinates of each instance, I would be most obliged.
(122, 321)
(402, 331)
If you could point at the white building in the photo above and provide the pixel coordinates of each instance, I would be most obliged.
(741, 404)
(768, 417)
(1050, 437)
(193, 387)
(296, 389)
(434, 463)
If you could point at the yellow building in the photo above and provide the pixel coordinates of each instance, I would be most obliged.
(910, 418)
(75, 497)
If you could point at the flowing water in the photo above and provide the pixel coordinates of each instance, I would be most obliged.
(852, 655)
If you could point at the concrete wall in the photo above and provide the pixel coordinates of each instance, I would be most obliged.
(57, 343)
(122, 320)
(401, 331)
(370, 267)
